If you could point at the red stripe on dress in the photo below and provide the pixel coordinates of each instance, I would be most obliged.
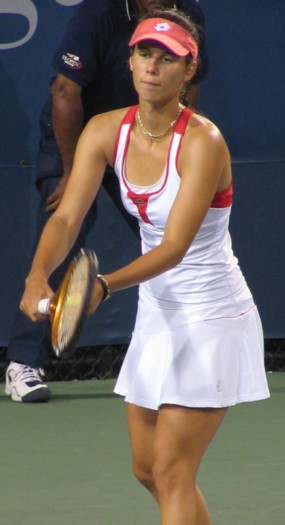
(224, 198)
(141, 202)
(128, 119)
(180, 129)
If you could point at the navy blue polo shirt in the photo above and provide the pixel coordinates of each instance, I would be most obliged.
(94, 53)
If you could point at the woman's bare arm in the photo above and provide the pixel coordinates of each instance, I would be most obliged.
(93, 153)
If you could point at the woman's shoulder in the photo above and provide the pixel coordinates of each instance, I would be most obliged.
(114, 116)
(199, 123)
(203, 130)
(201, 137)
(106, 124)
(100, 133)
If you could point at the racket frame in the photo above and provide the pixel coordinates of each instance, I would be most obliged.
(57, 303)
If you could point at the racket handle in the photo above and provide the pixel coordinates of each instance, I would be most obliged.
(43, 306)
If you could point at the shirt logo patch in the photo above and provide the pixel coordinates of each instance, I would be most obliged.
(164, 26)
(72, 61)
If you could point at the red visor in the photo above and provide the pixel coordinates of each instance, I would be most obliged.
(167, 33)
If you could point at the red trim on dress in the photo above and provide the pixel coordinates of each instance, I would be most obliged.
(141, 199)
(224, 198)
(127, 119)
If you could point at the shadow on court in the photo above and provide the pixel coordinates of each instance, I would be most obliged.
(67, 462)
(72, 397)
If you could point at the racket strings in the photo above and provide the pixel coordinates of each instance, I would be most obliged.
(73, 304)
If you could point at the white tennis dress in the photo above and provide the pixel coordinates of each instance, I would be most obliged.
(198, 339)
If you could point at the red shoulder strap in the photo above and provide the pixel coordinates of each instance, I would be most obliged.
(130, 115)
(183, 120)
(127, 119)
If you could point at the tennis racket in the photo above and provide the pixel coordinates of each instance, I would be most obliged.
(69, 307)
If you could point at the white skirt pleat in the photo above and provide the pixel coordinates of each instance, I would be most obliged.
(212, 363)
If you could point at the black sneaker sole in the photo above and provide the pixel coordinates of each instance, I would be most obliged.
(37, 396)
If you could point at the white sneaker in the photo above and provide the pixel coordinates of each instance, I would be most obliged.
(24, 383)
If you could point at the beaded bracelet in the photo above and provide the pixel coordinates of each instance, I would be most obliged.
(105, 286)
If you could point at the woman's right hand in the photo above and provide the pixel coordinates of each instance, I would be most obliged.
(35, 290)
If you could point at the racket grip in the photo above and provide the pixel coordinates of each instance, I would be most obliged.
(43, 306)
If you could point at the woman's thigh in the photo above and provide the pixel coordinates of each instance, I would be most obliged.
(141, 426)
(173, 434)
(182, 436)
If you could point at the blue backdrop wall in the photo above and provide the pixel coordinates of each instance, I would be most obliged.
(243, 94)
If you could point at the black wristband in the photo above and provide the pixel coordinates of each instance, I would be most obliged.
(105, 286)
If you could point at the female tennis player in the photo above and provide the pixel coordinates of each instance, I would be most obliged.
(197, 345)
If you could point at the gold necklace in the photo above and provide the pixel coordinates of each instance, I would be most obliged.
(161, 135)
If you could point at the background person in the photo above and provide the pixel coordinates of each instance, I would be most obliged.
(92, 77)
(197, 346)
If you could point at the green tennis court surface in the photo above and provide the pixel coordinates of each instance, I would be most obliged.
(67, 462)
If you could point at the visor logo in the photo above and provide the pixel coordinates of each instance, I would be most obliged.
(163, 26)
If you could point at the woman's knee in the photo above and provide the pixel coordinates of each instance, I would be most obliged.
(169, 477)
(164, 477)
(143, 474)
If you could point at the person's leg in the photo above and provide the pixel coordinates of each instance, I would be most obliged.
(30, 343)
(167, 448)
(142, 424)
(182, 436)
